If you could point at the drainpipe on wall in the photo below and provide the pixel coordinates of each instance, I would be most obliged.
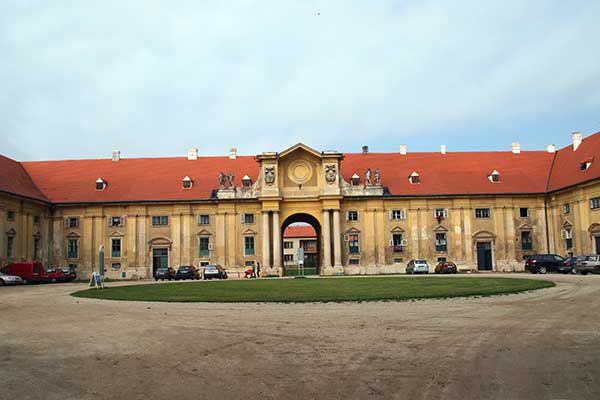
(49, 233)
(546, 204)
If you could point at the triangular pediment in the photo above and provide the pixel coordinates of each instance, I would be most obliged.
(397, 229)
(11, 232)
(116, 234)
(297, 147)
(440, 228)
(567, 225)
(352, 230)
(248, 232)
(525, 227)
(204, 232)
(73, 235)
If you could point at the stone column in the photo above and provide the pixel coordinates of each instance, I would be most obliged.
(266, 260)
(326, 245)
(337, 242)
(276, 243)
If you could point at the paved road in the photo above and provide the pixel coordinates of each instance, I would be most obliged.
(539, 345)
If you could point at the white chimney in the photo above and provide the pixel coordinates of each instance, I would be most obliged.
(551, 148)
(443, 149)
(116, 155)
(576, 140)
(192, 154)
(516, 147)
(232, 153)
(365, 149)
(403, 149)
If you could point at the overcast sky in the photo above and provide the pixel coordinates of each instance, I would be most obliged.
(153, 78)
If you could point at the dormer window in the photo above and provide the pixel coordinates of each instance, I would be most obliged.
(414, 178)
(246, 181)
(187, 182)
(585, 165)
(494, 177)
(100, 184)
(355, 180)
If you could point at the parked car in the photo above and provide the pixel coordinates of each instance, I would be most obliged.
(542, 263)
(570, 264)
(56, 275)
(417, 267)
(70, 274)
(214, 271)
(165, 273)
(187, 272)
(588, 264)
(6, 279)
(446, 267)
(28, 271)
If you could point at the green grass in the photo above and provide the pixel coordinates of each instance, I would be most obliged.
(318, 290)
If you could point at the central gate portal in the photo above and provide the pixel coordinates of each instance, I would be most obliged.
(303, 231)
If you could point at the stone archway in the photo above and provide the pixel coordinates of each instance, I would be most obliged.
(314, 222)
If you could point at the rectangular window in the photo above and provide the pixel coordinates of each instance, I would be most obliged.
(249, 263)
(569, 243)
(72, 222)
(204, 263)
(72, 248)
(352, 216)
(204, 251)
(203, 219)
(398, 242)
(595, 203)
(353, 245)
(441, 259)
(397, 214)
(36, 248)
(115, 248)
(10, 243)
(524, 212)
(10, 215)
(398, 260)
(354, 261)
(36, 219)
(526, 240)
(288, 245)
(249, 245)
(568, 235)
(158, 220)
(566, 208)
(482, 213)
(116, 221)
(116, 266)
(440, 242)
(288, 257)
(248, 218)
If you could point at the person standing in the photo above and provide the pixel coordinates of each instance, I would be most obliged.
(258, 269)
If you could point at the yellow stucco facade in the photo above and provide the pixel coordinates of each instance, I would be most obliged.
(360, 230)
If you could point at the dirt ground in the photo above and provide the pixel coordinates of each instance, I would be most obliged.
(539, 345)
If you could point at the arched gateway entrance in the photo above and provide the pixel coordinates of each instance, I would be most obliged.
(312, 254)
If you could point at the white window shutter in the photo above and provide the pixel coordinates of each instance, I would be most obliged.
(66, 222)
(109, 221)
(391, 242)
(243, 220)
(348, 215)
(445, 213)
(123, 218)
(391, 215)
(403, 214)
(210, 246)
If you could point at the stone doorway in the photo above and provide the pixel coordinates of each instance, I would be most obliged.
(309, 229)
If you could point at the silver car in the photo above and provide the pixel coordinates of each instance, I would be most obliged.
(587, 264)
(417, 267)
(10, 279)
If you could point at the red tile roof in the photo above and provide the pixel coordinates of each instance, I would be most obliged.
(160, 179)
(136, 179)
(454, 173)
(566, 171)
(14, 179)
(299, 231)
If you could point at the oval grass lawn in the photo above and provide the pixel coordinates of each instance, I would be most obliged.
(318, 290)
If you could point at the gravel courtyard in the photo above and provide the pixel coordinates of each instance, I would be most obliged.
(538, 345)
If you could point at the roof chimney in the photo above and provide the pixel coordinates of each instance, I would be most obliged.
(232, 153)
(516, 147)
(116, 155)
(192, 154)
(576, 140)
(551, 148)
(443, 149)
(403, 149)
(365, 149)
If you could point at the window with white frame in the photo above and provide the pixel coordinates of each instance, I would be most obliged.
(414, 178)
(72, 248)
(595, 203)
(397, 214)
(116, 221)
(526, 240)
(482, 213)
(353, 243)
(288, 257)
(160, 220)
(524, 212)
(398, 242)
(249, 245)
(115, 248)
(204, 246)
(247, 218)
(10, 215)
(203, 219)
(440, 242)
(567, 208)
(568, 236)
(72, 222)
(187, 182)
(354, 261)
(440, 213)
(288, 244)
(10, 244)
(352, 215)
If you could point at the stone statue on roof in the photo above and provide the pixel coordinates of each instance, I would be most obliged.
(231, 178)
(368, 177)
(222, 180)
(377, 177)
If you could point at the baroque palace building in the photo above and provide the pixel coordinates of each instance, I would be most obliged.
(372, 212)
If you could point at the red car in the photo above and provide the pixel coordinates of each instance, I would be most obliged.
(28, 271)
(446, 267)
(56, 275)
